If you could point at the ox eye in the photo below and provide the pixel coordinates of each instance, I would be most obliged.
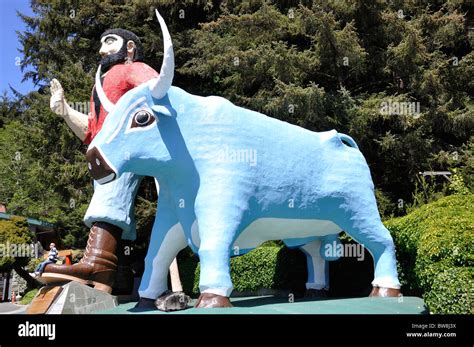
(142, 119)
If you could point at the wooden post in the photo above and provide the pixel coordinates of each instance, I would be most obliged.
(6, 290)
(174, 274)
(43, 300)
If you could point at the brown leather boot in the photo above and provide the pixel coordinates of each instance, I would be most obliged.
(99, 264)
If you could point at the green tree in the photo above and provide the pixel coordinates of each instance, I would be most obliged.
(14, 235)
(16, 247)
(319, 64)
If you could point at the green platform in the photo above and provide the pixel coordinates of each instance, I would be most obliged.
(278, 305)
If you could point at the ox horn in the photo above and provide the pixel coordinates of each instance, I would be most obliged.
(160, 86)
(104, 101)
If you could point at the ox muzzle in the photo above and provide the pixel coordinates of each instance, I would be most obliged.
(98, 167)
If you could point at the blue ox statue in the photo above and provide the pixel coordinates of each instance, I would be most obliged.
(292, 184)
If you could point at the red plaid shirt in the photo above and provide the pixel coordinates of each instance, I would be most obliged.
(118, 80)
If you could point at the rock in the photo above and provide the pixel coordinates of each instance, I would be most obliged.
(172, 301)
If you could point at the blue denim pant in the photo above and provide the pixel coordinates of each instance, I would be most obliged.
(42, 265)
(114, 203)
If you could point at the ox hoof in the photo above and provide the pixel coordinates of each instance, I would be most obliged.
(316, 293)
(172, 301)
(145, 303)
(385, 292)
(209, 300)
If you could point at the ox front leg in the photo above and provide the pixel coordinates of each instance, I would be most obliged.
(218, 224)
(215, 283)
(167, 239)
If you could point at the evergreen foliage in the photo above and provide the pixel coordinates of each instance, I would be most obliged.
(319, 64)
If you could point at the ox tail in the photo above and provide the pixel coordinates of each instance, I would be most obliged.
(346, 139)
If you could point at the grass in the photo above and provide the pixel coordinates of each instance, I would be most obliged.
(28, 297)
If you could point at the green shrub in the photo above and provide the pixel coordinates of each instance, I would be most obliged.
(28, 297)
(269, 267)
(33, 263)
(434, 242)
(385, 205)
(77, 255)
(254, 270)
(457, 184)
(452, 292)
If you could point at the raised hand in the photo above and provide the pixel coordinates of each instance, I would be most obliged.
(58, 103)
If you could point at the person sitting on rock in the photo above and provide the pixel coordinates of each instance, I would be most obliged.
(52, 259)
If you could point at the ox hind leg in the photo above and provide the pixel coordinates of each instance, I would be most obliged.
(362, 222)
(318, 270)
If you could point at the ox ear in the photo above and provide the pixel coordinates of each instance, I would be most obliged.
(163, 110)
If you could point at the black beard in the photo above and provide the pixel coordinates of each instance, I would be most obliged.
(113, 59)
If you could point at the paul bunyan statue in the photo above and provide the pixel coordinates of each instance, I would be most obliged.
(110, 214)
(303, 186)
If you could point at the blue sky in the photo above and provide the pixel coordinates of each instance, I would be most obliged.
(10, 72)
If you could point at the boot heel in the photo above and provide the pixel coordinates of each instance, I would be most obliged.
(104, 280)
(103, 287)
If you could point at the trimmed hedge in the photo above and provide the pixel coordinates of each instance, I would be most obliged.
(434, 248)
(274, 266)
(452, 292)
(269, 267)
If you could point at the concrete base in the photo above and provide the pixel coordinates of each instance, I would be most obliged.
(278, 305)
(76, 298)
(9, 308)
